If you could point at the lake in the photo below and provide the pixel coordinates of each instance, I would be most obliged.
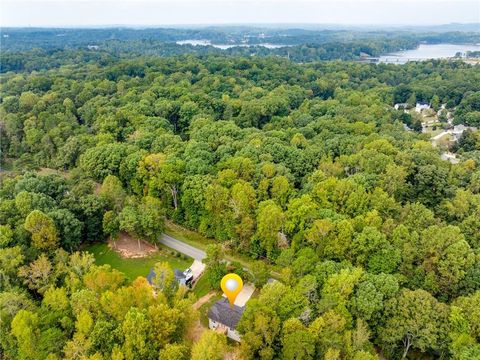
(226, 46)
(425, 52)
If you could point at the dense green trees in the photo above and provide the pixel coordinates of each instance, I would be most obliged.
(305, 168)
(92, 313)
(43, 230)
(211, 346)
(416, 320)
(56, 47)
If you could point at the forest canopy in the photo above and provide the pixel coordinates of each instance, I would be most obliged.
(306, 168)
(44, 48)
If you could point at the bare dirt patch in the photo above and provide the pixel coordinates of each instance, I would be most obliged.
(129, 247)
(203, 300)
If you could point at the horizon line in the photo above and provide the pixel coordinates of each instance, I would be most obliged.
(92, 26)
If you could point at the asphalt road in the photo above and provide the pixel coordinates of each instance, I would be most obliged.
(191, 251)
(182, 247)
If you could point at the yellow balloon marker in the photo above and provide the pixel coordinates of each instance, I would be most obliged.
(231, 285)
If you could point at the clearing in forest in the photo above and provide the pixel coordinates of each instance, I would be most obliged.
(134, 267)
(131, 248)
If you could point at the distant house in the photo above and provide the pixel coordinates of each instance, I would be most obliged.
(187, 277)
(367, 58)
(450, 157)
(401, 106)
(458, 131)
(421, 106)
(182, 277)
(224, 318)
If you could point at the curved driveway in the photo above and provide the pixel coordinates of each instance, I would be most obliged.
(182, 247)
(194, 252)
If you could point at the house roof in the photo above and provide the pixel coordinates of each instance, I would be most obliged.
(150, 276)
(225, 314)
(179, 275)
(459, 128)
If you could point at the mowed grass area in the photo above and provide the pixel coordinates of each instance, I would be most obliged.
(435, 132)
(134, 268)
(202, 287)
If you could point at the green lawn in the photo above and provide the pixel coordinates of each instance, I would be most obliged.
(133, 268)
(202, 287)
(432, 132)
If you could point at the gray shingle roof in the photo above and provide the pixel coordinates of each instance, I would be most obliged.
(223, 313)
(179, 276)
(150, 276)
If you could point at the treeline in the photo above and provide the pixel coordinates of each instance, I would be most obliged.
(113, 50)
(56, 304)
(40, 49)
(307, 167)
(22, 39)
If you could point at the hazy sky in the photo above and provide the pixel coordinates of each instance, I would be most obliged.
(168, 12)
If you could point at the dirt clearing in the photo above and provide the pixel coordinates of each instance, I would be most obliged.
(203, 300)
(129, 247)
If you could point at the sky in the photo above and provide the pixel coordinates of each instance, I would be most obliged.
(70, 13)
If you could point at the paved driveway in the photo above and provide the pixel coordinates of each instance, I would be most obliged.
(197, 269)
(182, 247)
(244, 295)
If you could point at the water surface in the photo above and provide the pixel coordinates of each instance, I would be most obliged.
(425, 52)
(227, 46)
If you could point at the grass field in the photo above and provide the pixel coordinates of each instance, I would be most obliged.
(133, 268)
(435, 132)
(202, 287)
